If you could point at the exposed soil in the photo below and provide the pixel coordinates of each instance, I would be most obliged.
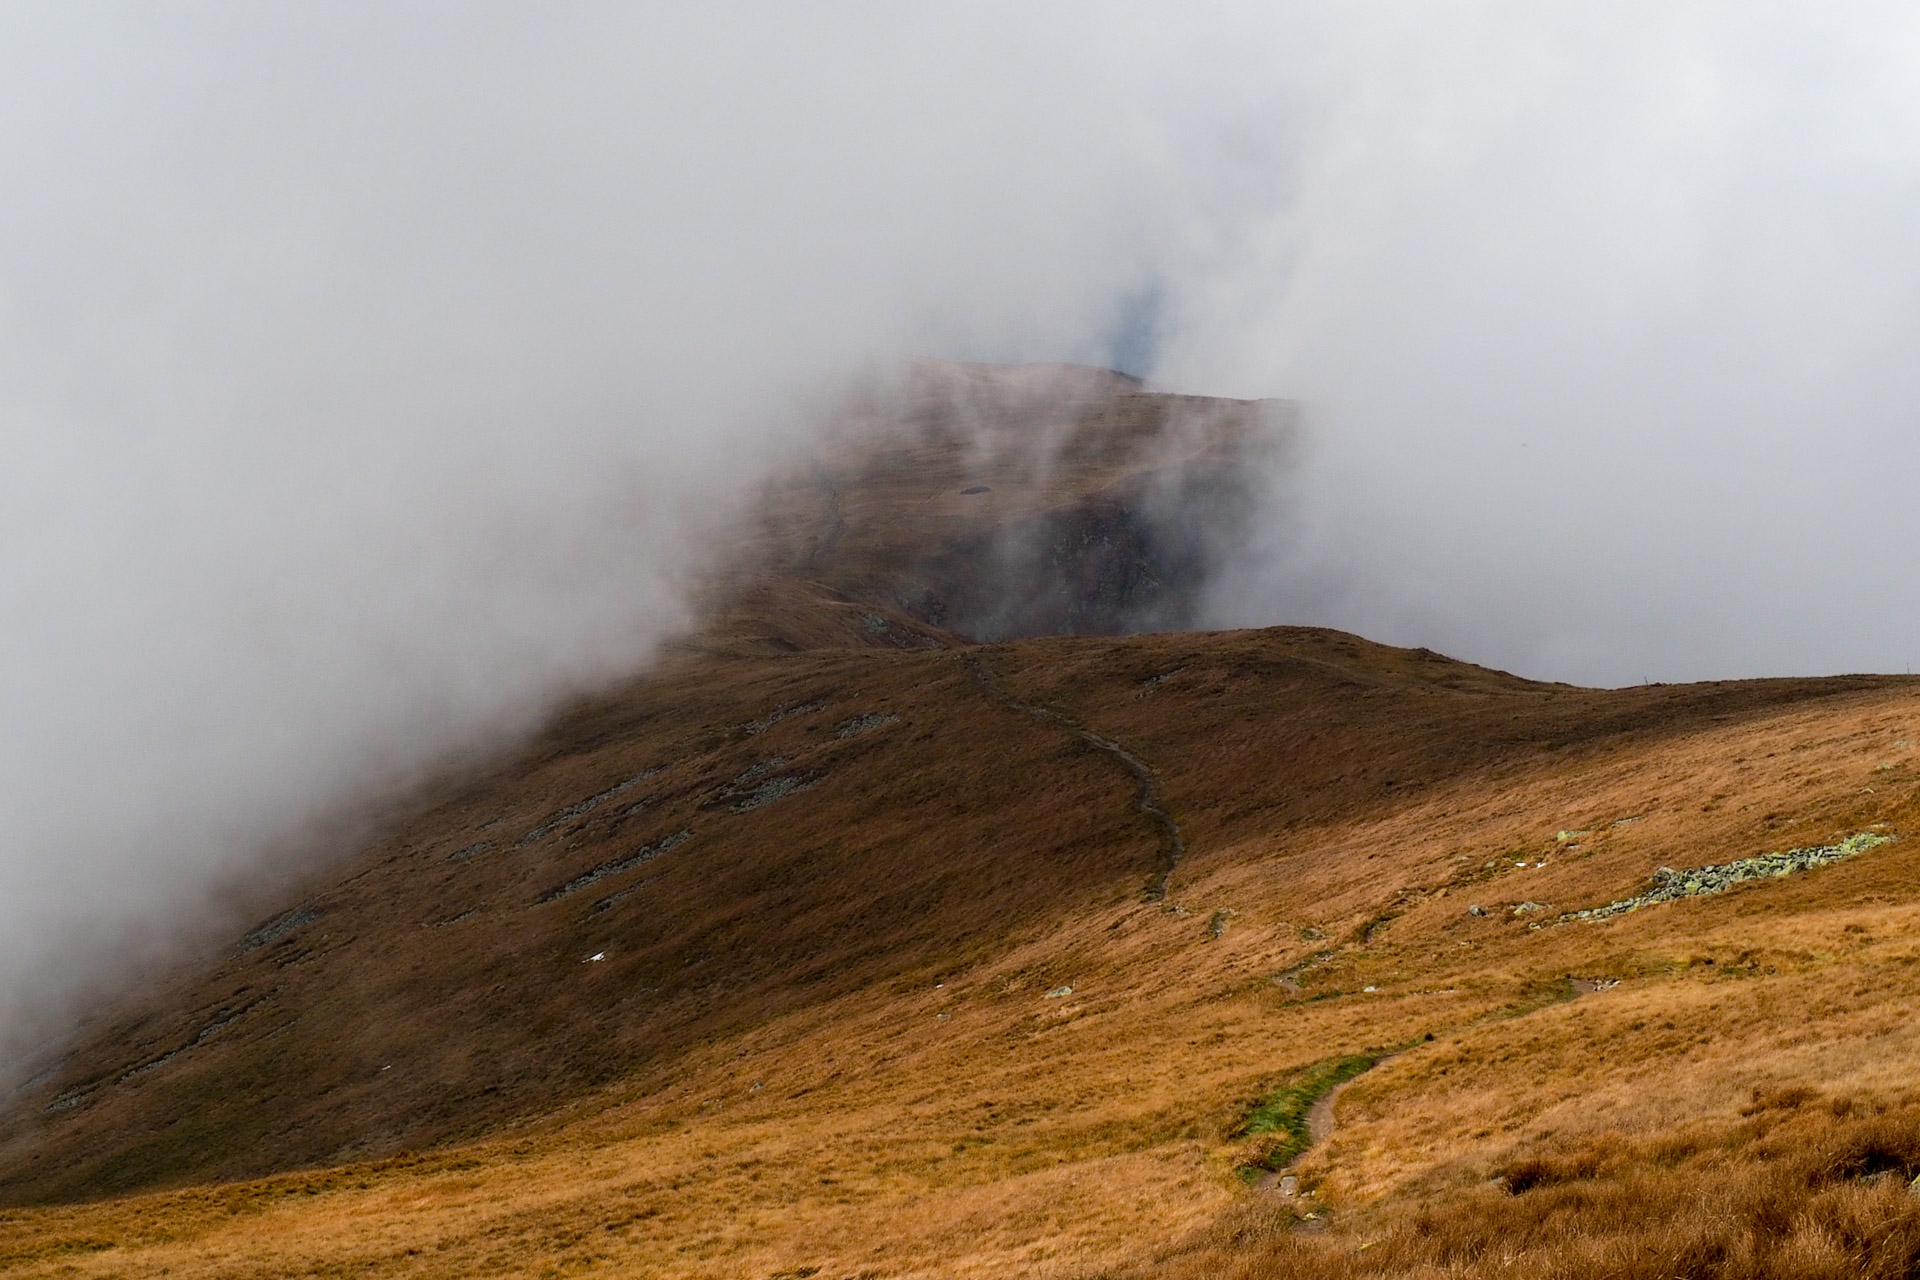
(1320, 1117)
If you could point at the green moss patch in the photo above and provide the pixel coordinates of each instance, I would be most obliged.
(1278, 1124)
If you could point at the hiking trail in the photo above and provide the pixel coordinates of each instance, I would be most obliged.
(1150, 801)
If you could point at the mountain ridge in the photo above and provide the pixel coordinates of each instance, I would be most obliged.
(842, 944)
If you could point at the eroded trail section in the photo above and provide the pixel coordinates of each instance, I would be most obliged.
(1320, 1118)
(1150, 802)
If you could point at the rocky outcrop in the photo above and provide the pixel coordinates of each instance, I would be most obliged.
(1136, 557)
(1669, 885)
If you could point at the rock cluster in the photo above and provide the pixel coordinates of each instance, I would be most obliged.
(1697, 882)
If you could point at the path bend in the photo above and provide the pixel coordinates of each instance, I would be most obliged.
(1151, 802)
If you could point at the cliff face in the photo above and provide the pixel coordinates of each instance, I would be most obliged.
(1133, 557)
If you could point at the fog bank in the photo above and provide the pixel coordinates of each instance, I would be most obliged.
(1607, 319)
(370, 375)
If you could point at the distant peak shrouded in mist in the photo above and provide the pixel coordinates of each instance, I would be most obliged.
(999, 502)
(374, 378)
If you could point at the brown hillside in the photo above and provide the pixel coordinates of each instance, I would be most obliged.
(921, 957)
(995, 503)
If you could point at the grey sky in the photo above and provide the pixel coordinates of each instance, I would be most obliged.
(1608, 315)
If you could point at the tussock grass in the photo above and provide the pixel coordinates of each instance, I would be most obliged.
(1804, 1189)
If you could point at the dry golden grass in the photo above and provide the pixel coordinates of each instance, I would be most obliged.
(849, 1126)
(1819, 1192)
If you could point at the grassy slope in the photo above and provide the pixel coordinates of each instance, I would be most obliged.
(826, 1034)
(1341, 800)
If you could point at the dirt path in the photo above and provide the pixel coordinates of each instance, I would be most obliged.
(1150, 801)
(1320, 1122)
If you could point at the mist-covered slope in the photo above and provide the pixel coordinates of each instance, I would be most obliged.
(995, 503)
(740, 834)
(841, 944)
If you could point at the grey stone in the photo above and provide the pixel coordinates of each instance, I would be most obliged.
(1668, 885)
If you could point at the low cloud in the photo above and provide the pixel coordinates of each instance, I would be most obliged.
(1605, 319)
(369, 375)
(373, 373)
